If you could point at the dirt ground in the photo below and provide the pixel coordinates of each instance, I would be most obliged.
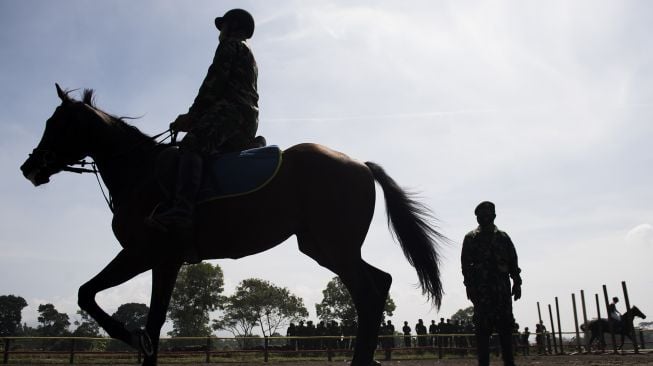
(567, 360)
(584, 360)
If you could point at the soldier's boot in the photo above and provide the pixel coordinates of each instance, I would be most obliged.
(178, 219)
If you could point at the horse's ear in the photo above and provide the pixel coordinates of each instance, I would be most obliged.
(62, 94)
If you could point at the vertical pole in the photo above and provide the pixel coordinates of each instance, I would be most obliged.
(5, 357)
(573, 300)
(582, 300)
(265, 349)
(208, 349)
(632, 330)
(607, 305)
(72, 351)
(541, 336)
(598, 321)
(562, 347)
(553, 330)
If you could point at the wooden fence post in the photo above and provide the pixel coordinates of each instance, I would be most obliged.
(598, 317)
(632, 335)
(5, 357)
(72, 351)
(562, 347)
(573, 300)
(553, 331)
(265, 349)
(607, 305)
(582, 300)
(208, 349)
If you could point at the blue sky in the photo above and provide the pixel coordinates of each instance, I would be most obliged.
(542, 107)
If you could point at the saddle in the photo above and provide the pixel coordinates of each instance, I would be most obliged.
(224, 175)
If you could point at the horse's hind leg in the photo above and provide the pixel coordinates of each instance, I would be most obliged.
(368, 287)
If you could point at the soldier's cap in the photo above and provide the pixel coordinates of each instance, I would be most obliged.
(485, 205)
(241, 19)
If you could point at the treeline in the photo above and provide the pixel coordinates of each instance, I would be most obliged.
(256, 307)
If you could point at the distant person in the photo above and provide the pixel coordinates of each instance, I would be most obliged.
(433, 330)
(223, 118)
(406, 329)
(613, 313)
(524, 340)
(489, 261)
(420, 330)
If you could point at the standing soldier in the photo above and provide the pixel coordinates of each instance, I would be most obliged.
(433, 329)
(406, 329)
(420, 330)
(489, 261)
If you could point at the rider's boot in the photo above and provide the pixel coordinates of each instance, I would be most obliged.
(178, 219)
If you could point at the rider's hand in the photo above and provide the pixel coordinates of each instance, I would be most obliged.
(182, 123)
(516, 292)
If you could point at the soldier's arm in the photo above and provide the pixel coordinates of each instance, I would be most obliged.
(215, 83)
(466, 261)
(513, 263)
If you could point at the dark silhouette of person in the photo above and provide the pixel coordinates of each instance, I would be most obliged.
(291, 332)
(406, 329)
(223, 118)
(524, 340)
(489, 261)
(433, 330)
(390, 328)
(420, 330)
(613, 313)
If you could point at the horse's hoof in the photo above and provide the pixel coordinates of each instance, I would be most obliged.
(141, 340)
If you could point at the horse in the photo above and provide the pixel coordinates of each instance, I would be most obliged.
(624, 327)
(323, 197)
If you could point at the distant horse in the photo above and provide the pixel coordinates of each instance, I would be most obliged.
(625, 327)
(322, 196)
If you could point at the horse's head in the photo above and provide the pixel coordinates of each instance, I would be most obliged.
(63, 141)
(637, 312)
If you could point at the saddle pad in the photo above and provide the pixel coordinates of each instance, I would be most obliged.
(238, 173)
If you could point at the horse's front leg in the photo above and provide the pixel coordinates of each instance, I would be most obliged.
(163, 283)
(126, 265)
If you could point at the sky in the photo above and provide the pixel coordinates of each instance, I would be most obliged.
(543, 108)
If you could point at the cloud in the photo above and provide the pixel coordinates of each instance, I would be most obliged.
(641, 235)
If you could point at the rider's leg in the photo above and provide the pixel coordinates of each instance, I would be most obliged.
(179, 217)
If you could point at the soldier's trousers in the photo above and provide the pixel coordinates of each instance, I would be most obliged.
(487, 319)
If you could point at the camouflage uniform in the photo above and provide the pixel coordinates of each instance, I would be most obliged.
(489, 260)
(224, 115)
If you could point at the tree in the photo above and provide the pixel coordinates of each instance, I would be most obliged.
(197, 292)
(51, 322)
(133, 315)
(258, 302)
(463, 316)
(11, 308)
(337, 304)
(87, 327)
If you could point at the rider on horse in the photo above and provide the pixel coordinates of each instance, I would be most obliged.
(223, 117)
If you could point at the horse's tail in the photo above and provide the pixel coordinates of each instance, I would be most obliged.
(409, 219)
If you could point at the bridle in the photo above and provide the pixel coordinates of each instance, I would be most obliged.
(80, 166)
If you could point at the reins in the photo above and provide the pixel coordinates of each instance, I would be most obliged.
(93, 165)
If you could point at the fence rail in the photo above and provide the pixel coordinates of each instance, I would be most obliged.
(82, 350)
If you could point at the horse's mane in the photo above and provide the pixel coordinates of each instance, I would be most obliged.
(88, 98)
